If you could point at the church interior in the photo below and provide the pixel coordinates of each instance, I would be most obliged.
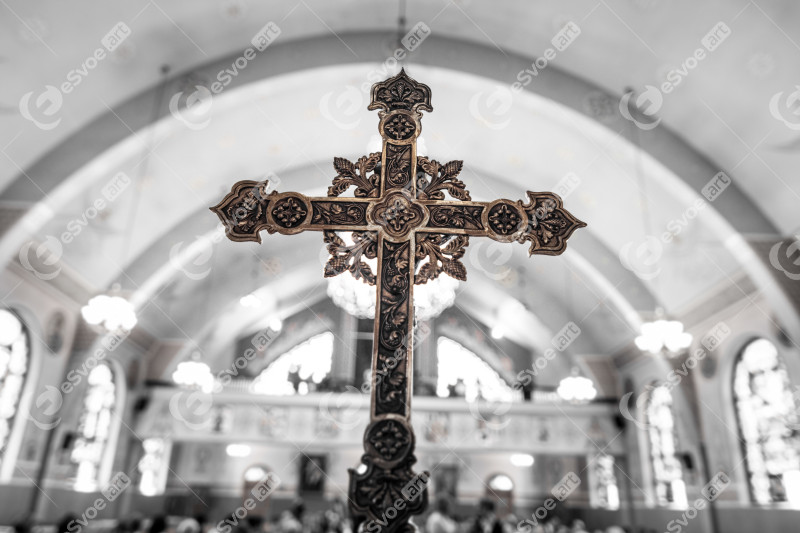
(156, 375)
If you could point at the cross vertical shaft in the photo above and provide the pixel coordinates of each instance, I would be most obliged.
(386, 481)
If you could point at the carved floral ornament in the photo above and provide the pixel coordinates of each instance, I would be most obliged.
(397, 214)
(400, 126)
(289, 212)
(415, 217)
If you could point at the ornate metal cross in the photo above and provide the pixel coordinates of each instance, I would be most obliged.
(399, 215)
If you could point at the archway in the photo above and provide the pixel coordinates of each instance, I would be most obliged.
(258, 482)
(500, 490)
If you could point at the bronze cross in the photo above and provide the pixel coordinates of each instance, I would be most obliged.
(399, 215)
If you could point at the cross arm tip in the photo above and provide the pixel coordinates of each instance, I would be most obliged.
(242, 211)
(547, 223)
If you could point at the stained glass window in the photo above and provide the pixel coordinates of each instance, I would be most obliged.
(14, 355)
(95, 427)
(767, 412)
(463, 373)
(670, 488)
(604, 492)
(154, 466)
(298, 370)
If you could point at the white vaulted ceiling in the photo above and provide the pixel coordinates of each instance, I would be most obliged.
(296, 106)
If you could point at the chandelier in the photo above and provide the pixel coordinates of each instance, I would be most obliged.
(112, 312)
(194, 374)
(663, 336)
(576, 388)
(358, 298)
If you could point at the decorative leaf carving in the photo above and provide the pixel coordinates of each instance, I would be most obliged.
(357, 175)
(338, 212)
(443, 253)
(343, 166)
(456, 270)
(398, 162)
(463, 216)
(346, 258)
(394, 312)
(443, 178)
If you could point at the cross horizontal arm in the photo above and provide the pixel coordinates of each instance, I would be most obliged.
(249, 209)
(542, 220)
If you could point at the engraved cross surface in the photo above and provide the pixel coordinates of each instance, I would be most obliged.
(399, 215)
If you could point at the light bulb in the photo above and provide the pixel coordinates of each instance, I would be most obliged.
(10, 327)
(237, 450)
(250, 301)
(521, 459)
(498, 331)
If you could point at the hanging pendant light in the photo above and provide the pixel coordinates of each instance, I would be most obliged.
(576, 388)
(358, 298)
(662, 336)
(112, 312)
(194, 374)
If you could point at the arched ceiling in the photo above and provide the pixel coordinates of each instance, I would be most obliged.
(297, 105)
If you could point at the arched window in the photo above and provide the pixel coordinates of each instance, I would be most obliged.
(500, 489)
(767, 411)
(463, 373)
(500, 482)
(670, 488)
(259, 478)
(291, 372)
(14, 361)
(154, 466)
(604, 489)
(95, 441)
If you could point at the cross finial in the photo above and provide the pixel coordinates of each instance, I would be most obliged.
(401, 92)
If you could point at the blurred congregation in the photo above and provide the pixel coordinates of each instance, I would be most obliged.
(328, 517)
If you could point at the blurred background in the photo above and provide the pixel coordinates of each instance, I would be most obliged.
(153, 374)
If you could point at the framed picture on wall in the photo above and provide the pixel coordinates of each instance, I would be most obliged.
(445, 481)
(312, 474)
